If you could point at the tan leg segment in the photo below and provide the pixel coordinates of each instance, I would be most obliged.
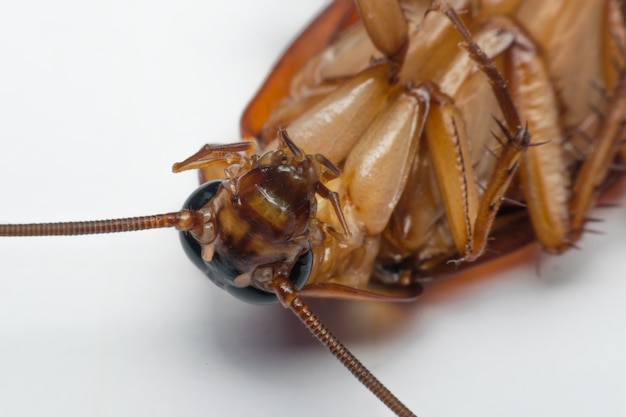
(448, 149)
(543, 170)
(594, 169)
(455, 175)
(614, 48)
(470, 219)
(386, 26)
(608, 138)
(342, 117)
(377, 168)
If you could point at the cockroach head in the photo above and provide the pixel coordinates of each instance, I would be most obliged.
(258, 224)
(218, 266)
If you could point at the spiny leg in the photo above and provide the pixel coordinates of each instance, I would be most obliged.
(469, 217)
(594, 169)
(614, 49)
(543, 172)
(471, 225)
(486, 64)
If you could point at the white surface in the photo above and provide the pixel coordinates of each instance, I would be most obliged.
(97, 100)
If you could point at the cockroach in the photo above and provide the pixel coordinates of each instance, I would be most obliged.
(76, 337)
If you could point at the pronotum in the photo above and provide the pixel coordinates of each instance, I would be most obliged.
(119, 325)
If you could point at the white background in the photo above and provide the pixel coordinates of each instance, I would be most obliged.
(97, 100)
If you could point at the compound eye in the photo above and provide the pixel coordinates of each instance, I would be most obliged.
(222, 274)
(202, 195)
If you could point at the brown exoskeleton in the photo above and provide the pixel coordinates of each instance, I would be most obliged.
(453, 251)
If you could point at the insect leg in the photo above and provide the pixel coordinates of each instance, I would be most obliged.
(373, 178)
(333, 197)
(543, 171)
(336, 123)
(377, 168)
(448, 149)
(210, 154)
(421, 223)
(614, 48)
(386, 26)
(445, 134)
(321, 189)
(594, 169)
(469, 217)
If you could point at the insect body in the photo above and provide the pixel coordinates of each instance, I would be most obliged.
(409, 383)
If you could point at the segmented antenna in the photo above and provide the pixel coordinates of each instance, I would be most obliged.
(185, 220)
(288, 296)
